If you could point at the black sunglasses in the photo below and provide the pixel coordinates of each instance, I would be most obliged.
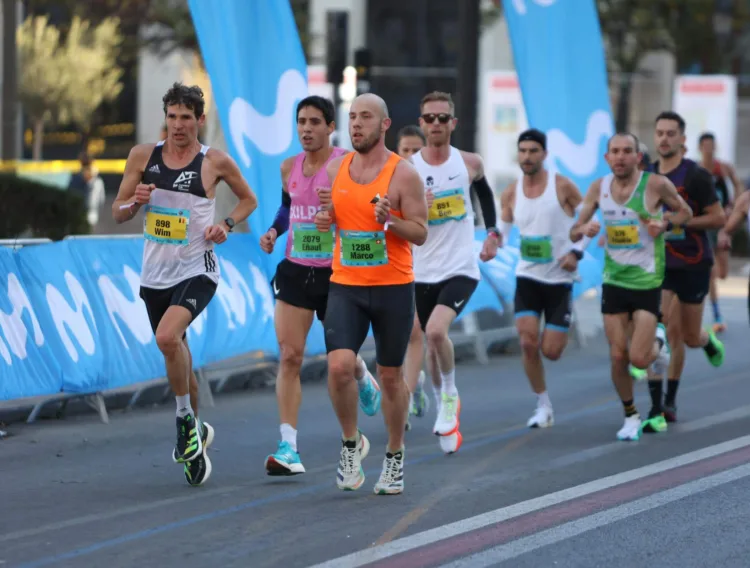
(443, 117)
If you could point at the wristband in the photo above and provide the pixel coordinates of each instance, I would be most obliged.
(494, 231)
(577, 253)
(670, 226)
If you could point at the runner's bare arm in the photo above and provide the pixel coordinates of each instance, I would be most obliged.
(739, 187)
(409, 189)
(572, 197)
(281, 221)
(228, 170)
(332, 169)
(134, 166)
(739, 213)
(702, 189)
(507, 200)
(589, 207)
(679, 211)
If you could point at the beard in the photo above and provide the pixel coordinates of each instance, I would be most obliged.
(367, 143)
(531, 169)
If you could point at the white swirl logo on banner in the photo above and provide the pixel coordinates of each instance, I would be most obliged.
(520, 5)
(580, 159)
(72, 319)
(12, 325)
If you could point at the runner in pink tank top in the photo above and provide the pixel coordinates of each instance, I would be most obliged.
(300, 285)
(306, 245)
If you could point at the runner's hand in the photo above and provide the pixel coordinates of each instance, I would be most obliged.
(143, 193)
(723, 241)
(323, 221)
(268, 241)
(656, 227)
(216, 233)
(324, 195)
(489, 248)
(430, 196)
(591, 229)
(602, 240)
(569, 262)
(382, 210)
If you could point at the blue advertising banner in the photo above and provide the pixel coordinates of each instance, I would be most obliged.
(559, 58)
(256, 95)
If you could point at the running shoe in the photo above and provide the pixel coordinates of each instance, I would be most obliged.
(447, 421)
(655, 423)
(350, 476)
(285, 461)
(199, 470)
(543, 417)
(369, 395)
(189, 443)
(631, 429)
(420, 402)
(717, 359)
(391, 480)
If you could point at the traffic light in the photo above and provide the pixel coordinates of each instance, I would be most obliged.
(363, 63)
(337, 29)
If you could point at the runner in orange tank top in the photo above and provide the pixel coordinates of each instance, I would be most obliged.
(377, 208)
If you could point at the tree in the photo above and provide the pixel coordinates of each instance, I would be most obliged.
(65, 82)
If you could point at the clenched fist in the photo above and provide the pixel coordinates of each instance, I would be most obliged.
(268, 241)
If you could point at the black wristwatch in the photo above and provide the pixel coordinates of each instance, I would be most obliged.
(577, 253)
(230, 223)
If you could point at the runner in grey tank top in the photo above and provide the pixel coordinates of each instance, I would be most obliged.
(174, 182)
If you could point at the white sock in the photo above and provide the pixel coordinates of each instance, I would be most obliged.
(543, 399)
(449, 383)
(360, 371)
(183, 405)
(289, 435)
(438, 398)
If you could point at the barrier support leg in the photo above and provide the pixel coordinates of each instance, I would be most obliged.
(204, 389)
(96, 401)
(34, 414)
(471, 329)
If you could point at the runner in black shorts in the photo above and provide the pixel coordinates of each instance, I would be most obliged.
(689, 256)
(378, 207)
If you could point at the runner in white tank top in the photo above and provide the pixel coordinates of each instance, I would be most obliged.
(176, 182)
(740, 212)
(446, 272)
(542, 205)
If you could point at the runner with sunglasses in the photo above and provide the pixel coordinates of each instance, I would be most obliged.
(446, 270)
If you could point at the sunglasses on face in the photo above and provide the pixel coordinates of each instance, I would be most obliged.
(443, 118)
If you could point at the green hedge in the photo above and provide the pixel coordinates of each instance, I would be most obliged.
(32, 209)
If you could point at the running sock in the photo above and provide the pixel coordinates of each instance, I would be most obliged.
(438, 398)
(449, 383)
(289, 435)
(655, 389)
(361, 371)
(630, 409)
(710, 348)
(183, 406)
(543, 399)
(672, 386)
(717, 311)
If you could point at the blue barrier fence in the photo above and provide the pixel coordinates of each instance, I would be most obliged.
(72, 321)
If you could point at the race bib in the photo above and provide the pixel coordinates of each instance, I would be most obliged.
(166, 226)
(361, 248)
(449, 205)
(308, 242)
(536, 249)
(623, 234)
(676, 234)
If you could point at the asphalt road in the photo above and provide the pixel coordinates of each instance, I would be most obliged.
(81, 493)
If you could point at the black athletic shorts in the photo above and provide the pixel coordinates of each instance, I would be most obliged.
(351, 310)
(690, 286)
(454, 293)
(193, 294)
(619, 300)
(554, 301)
(303, 287)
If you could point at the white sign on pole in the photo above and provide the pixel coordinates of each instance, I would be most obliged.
(708, 103)
(502, 119)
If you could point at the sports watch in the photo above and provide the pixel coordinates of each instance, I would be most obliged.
(230, 223)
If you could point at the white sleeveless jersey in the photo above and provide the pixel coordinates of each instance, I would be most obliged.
(175, 223)
(544, 227)
(449, 249)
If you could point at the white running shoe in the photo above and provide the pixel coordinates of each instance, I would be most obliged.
(447, 420)
(350, 476)
(543, 417)
(391, 480)
(631, 429)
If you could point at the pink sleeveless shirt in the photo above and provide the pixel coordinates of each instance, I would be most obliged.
(305, 245)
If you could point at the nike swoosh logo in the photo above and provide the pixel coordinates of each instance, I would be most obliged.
(458, 304)
(275, 289)
(454, 177)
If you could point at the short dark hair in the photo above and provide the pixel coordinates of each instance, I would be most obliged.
(533, 135)
(411, 130)
(706, 136)
(323, 104)
(189, 96)
(671, 115)
(625, 134)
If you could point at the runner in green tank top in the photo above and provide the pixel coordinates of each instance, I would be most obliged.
(631, 202)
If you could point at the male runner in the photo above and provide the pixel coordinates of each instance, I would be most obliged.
(410, 140)
(446, 271)
(689, 257)
(176, 180)
(378, 205)
(740, 212)
(721, 172)
(631, 202)
(301, 281)
(543, 207)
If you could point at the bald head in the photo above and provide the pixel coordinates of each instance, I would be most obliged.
(371, 102)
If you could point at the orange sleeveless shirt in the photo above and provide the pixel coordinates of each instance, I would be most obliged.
(364, 254)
